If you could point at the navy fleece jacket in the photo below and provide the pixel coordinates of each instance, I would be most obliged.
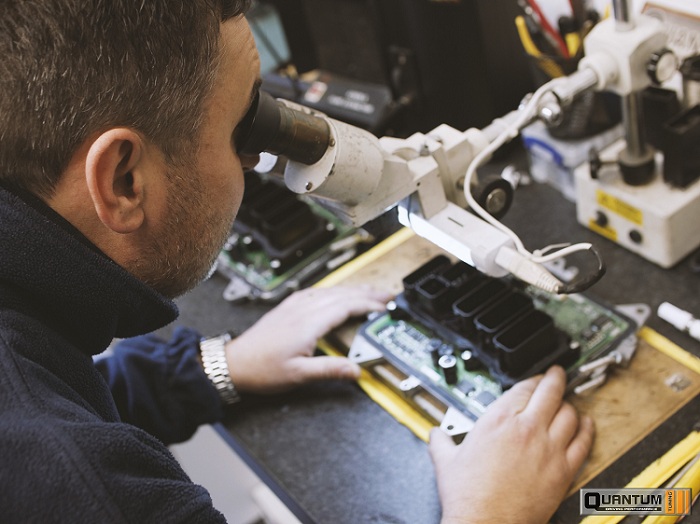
(83, 441)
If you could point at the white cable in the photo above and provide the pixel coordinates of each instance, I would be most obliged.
(509, 132)
(550, 247)
(560, 253)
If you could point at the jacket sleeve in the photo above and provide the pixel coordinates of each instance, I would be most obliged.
(160, 386)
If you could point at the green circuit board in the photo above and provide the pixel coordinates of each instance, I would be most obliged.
(589, 328)
(595, 327)
(408, 341)
(256, 267)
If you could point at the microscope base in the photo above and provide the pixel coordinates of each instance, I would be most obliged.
(656, 221)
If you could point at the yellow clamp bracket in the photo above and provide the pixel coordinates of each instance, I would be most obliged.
(660, 471)
(670, 349)
(376, 390)
(689, 479)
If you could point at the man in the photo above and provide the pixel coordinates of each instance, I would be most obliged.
(119, 179)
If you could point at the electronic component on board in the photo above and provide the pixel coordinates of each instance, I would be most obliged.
(281, 241)
(463, 337)
(448, 365)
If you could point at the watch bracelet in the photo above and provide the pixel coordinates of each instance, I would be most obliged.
(213, 353)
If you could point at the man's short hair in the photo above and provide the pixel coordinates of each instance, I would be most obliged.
(73, 68)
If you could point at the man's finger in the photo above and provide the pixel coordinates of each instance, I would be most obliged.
(330, 311)
(440, 446)
(547, 397)
(580, 446)
(516, 399)
(331, 295)
(565, 425)
(326, 368)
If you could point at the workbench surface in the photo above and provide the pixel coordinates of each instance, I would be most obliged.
(334, 456)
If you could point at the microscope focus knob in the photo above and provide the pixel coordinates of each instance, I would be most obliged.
(494, 194)
(662, 65)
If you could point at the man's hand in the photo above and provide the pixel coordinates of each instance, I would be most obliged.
(274, 354)
(518, 462)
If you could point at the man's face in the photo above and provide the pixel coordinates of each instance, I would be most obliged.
(204, 197)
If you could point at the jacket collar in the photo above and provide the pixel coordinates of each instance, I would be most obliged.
(55, 272)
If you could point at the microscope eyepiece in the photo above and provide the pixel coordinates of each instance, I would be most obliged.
(276, 128)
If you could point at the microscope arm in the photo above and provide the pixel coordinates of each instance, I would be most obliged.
(360, 177)
(430, 176)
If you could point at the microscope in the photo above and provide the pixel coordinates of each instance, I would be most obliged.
(432, 178)
(459, 331)
(642, 199)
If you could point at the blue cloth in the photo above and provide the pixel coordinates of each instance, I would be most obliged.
(160, 386)
(72, 450)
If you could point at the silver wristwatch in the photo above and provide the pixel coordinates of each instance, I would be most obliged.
(213, 352)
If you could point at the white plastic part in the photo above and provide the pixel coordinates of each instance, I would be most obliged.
(527, 270)
(655, 221)
(680, 319)
(629, 51)
(604, 66)
(349, 171)
(461, 233)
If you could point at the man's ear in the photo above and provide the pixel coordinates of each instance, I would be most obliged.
(115, 175)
